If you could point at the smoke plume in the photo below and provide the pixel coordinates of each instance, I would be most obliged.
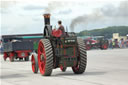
(7, 4)
(53, 6)
(101, 15)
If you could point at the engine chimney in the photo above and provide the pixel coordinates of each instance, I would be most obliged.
(47, 19)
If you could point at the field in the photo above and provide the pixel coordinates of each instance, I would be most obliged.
(104, 67)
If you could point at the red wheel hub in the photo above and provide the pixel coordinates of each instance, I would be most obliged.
(41, 58)
(105, 46)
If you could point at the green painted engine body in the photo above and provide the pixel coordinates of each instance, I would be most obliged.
(66, 51)
(35, 44)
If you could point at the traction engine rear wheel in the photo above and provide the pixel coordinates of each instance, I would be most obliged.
(82, 58)
(34, 62)
(45, 57)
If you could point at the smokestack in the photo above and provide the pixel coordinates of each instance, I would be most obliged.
(47, 19)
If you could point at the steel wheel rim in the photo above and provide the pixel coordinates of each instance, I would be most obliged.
(33, 63)
(41, 62)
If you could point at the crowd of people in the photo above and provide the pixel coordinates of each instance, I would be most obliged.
(118, 44)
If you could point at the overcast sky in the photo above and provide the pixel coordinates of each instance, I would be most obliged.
(21, 17)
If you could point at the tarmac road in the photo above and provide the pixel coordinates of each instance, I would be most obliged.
(105, 67)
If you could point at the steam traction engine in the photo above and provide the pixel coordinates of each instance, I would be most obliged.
(57, 50)
(98, 42)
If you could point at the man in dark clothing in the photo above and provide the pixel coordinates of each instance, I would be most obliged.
(61, 27)
(60, 32)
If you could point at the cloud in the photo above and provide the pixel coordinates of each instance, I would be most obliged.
(7, 4)
(3, 11)
(22, 17)
(33, 7)
(67, 11)
(20, 25)
(107, 14)
(111, 11)
(53, 5)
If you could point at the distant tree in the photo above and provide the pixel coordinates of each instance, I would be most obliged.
(106, 32)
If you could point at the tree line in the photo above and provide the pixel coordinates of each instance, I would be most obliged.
(106, 32)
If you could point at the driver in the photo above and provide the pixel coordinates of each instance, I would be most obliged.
(61, 27)
(60, 31)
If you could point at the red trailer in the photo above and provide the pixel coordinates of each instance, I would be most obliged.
(19, 46)
(15, 48)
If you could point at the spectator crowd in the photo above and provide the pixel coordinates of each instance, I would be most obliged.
(118, 44)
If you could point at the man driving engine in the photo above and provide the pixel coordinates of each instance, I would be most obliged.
(60, 31)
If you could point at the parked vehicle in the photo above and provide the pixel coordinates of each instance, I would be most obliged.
(19, 46)
(97, 42)
(15, 48)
